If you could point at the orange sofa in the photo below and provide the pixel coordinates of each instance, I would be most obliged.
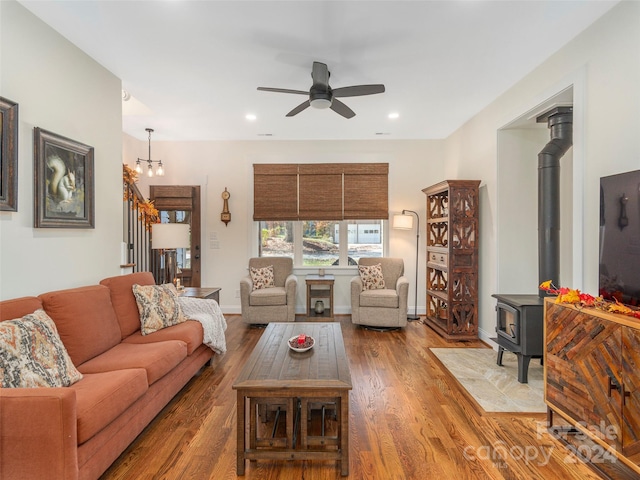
(77, 432)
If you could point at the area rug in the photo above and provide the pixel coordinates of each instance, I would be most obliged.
(495, 388)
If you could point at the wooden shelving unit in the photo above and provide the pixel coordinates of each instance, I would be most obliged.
(452, 258)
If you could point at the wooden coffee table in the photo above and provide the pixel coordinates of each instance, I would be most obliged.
(296, 382)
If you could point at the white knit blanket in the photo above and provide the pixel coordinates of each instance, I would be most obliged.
(208, 313)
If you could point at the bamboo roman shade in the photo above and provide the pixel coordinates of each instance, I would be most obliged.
(275, 192)
(325, 191)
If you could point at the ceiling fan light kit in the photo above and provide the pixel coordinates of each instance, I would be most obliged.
(322, 96)
(321, 103)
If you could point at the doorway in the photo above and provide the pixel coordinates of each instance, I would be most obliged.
(181, 204)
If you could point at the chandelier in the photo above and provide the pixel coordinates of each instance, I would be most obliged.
(159, 170)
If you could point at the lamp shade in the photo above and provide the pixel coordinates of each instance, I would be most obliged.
(403, 222)
(169, 235)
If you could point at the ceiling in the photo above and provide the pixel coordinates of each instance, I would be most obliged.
(192, 67)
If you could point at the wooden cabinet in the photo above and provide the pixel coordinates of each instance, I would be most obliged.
(452, 258)
(592, 376)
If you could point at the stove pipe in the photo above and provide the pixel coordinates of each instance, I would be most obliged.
(560, 122)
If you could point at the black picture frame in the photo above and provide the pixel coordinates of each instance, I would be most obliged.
(64, 182)
(8, 155)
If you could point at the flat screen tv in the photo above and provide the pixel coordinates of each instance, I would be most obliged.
(620, 237)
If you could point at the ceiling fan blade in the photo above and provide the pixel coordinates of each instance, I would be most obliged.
(282, 90)
(358, 90)
(299, 108)
(340, 108)
(320, 74)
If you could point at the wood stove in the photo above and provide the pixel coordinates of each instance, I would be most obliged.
(519, 325)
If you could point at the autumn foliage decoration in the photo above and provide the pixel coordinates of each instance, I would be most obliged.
(147, 212)
(576, 297)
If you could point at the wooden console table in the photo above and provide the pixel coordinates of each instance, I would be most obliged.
(198, 292)
(276, 375)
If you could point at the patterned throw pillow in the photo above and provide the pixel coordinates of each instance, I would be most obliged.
(32, 354)
(158, 307)
(262, 277)
(371, 276)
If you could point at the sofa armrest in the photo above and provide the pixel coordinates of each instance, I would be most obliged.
(402, 288)
(356, 286)
(246, 287)
(290, 286)
(38, 433)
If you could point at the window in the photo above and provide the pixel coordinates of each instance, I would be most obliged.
(321, 243)
(275, 239)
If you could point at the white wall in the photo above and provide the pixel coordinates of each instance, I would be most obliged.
(413, 165)
(603, 66)
(60, 89)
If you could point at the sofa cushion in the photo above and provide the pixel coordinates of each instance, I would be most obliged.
(268, 296)
(262, 277)
(190, 332)
(32, 354)
(158, 307)
(123, 300)
(18, 307)
(157, 358)
(85, 319)
(383, 297)
(371, 276)
(103, 397)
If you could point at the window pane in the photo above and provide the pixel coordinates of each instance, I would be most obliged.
(365, 239)
(320, 243)
(276, 239)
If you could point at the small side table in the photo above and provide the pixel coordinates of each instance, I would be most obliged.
(198, 292)
(320, 288)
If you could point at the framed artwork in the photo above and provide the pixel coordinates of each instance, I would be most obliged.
(8, 155)
(64, 182)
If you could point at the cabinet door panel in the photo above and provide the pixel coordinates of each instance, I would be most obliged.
(631, 405)
(583, 369)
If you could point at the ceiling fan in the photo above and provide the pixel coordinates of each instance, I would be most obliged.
(321, 95)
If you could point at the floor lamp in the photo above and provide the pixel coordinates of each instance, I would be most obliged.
(168, 237)
(404, 221)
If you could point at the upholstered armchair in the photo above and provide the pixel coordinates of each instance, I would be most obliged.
(269, 297)
(380, 307)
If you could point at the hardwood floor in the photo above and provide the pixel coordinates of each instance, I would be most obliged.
(408, 420)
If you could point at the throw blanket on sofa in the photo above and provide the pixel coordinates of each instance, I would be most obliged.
(208, 313)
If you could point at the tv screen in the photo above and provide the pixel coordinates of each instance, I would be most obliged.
(620, 237)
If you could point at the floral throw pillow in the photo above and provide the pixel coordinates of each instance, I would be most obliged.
(371, 276)
(32, 354)
(262, 277)
(158, 307)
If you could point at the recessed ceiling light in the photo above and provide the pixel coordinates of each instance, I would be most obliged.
(393, 115)
(251, 117)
